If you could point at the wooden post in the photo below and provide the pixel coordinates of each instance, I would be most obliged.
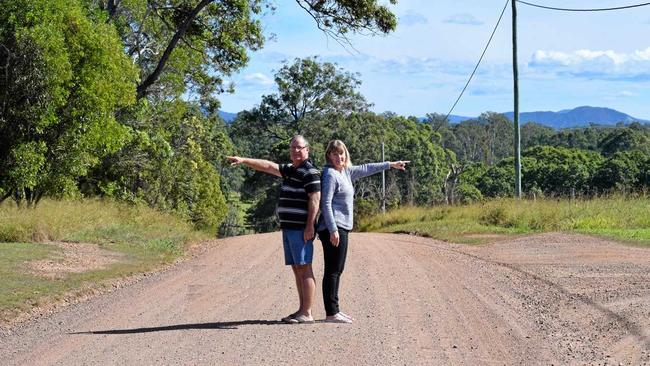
(383, 182)
(515, 74)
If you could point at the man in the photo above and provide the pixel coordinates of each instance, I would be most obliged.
(297, 210)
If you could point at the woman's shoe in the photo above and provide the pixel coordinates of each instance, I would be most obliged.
(346, 315)
(338, 318)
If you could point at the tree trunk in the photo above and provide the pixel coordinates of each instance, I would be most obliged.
(451, 181)
(111, 8)
(4, 198)
(143, 88)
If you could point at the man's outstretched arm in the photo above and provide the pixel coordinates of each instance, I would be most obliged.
(262, 165)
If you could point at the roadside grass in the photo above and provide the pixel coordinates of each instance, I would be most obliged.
(145, 239)
(620, 218)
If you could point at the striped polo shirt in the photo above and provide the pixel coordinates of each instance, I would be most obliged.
(293, 203)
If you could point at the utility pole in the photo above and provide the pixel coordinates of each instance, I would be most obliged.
(383, 182)
(515, 75)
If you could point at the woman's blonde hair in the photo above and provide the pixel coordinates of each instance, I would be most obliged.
(338, 146)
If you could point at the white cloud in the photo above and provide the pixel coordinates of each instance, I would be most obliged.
(584, 56)
(613, 96)
(594, 64)
(626, 93)
(643, 55)
(257, 78)
(579, 57)
(412, 17)
(463, 19)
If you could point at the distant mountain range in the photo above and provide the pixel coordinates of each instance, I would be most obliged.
(576, 117)
(227, 116)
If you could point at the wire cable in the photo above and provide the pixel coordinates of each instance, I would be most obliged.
(597, 9)
(480, 59)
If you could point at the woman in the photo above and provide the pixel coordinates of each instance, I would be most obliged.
(337, 199)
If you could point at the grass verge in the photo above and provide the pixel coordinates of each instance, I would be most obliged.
(142, 239)
(620, 218)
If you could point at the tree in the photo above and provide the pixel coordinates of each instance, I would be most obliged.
(467, 189)
(533, 134)
(63, 73)
(337, 18)
(622, 170)
(307, 90)
(173, 163)
(451, 182)
(624, 139)
(189, 45)
(497, 137)
(498, 180)
(440, 125)
(559, 171)
(644, 174)
(467, 143)
(487, 139)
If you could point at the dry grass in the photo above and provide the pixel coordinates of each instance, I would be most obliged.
(138, 239)
(620, 218)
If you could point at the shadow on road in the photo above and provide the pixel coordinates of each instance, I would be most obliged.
(217, 325)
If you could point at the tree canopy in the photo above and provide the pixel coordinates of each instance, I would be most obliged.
(190, 45)
(118, 98)
(65, 73)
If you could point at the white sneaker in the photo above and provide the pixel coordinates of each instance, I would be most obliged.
(338, 318)
(346, 315)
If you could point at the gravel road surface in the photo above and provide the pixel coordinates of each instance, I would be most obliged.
(550, 299)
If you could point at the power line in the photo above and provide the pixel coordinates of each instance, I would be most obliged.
(597, 9)
(480, 59)
(537, 6)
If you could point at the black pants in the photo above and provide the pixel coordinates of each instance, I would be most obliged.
(334, 264)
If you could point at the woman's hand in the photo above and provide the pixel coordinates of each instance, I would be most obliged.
(334, 238)
(401, 165)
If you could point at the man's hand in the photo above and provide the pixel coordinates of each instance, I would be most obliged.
(309, 233)
(334, 238)
(261, 165)
(234, 160)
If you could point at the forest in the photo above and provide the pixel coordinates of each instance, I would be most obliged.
(119, 100)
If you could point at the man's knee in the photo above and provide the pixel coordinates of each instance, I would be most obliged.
(302, 269)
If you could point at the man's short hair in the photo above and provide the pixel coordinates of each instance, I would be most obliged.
(299, 137)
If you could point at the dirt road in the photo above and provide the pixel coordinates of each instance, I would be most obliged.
(546, 299)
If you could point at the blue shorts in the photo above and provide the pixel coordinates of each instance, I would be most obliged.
(296, 250)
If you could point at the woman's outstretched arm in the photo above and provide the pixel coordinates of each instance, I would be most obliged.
(364, 170)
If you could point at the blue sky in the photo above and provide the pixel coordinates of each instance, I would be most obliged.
(566, 59)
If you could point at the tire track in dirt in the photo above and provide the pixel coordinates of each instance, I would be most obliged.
(477, 315)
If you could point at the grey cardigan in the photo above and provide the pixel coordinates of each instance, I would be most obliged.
(337, 194)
